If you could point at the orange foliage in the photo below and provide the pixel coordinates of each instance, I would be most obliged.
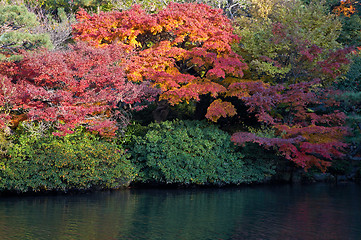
(16, 119)
(346, 8)
(184, 50)
(219, 108)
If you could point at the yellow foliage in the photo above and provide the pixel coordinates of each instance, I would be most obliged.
(229, 80)
(324, 137)
(263, 8)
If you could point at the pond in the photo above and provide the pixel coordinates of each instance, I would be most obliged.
(318, 211)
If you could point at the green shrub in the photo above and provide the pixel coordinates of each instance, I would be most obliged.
(79, 161)
(132, 132)
(5, 143)
(71, 6)
(193, 152)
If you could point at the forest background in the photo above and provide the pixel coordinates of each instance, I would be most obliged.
(104, 94)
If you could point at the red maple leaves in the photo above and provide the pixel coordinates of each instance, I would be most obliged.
(307, 131)
(83, 85)
(180, 53)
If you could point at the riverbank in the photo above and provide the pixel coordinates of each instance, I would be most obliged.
(297, 178)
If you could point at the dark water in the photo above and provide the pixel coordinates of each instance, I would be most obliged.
(262, 212)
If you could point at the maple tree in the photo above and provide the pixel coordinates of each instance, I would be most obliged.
(9, 99)
(82, 85)
(122, 60)
(184, 49)
(306, 132)
(293, 56)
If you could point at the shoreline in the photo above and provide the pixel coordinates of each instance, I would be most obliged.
(164, 186)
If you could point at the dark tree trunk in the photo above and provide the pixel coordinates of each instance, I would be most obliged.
(161, 112)
(202, 106)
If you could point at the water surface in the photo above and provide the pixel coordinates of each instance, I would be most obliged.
(263, 212)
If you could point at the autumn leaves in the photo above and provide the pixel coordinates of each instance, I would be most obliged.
(178, 54)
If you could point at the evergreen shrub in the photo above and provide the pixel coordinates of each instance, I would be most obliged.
(193, 152)
(79, 161)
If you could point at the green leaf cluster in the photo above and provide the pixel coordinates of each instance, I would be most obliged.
(78, 161)
(303, 26)
(193, 152)
(17, 26)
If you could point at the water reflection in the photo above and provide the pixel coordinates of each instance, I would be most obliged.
(263, 212)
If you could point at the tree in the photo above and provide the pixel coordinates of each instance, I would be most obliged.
(307, 132)
(350, 85)
(185, 49)
(16, 32)
(82, 85)
(293, 54)
(291, 42)
(349, 13)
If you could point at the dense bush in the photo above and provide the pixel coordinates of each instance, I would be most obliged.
(51, 6)
(351, 31)
(193, 152)
(79, 161)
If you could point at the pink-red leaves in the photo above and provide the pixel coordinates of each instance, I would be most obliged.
(304, 136)
(83, 85)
